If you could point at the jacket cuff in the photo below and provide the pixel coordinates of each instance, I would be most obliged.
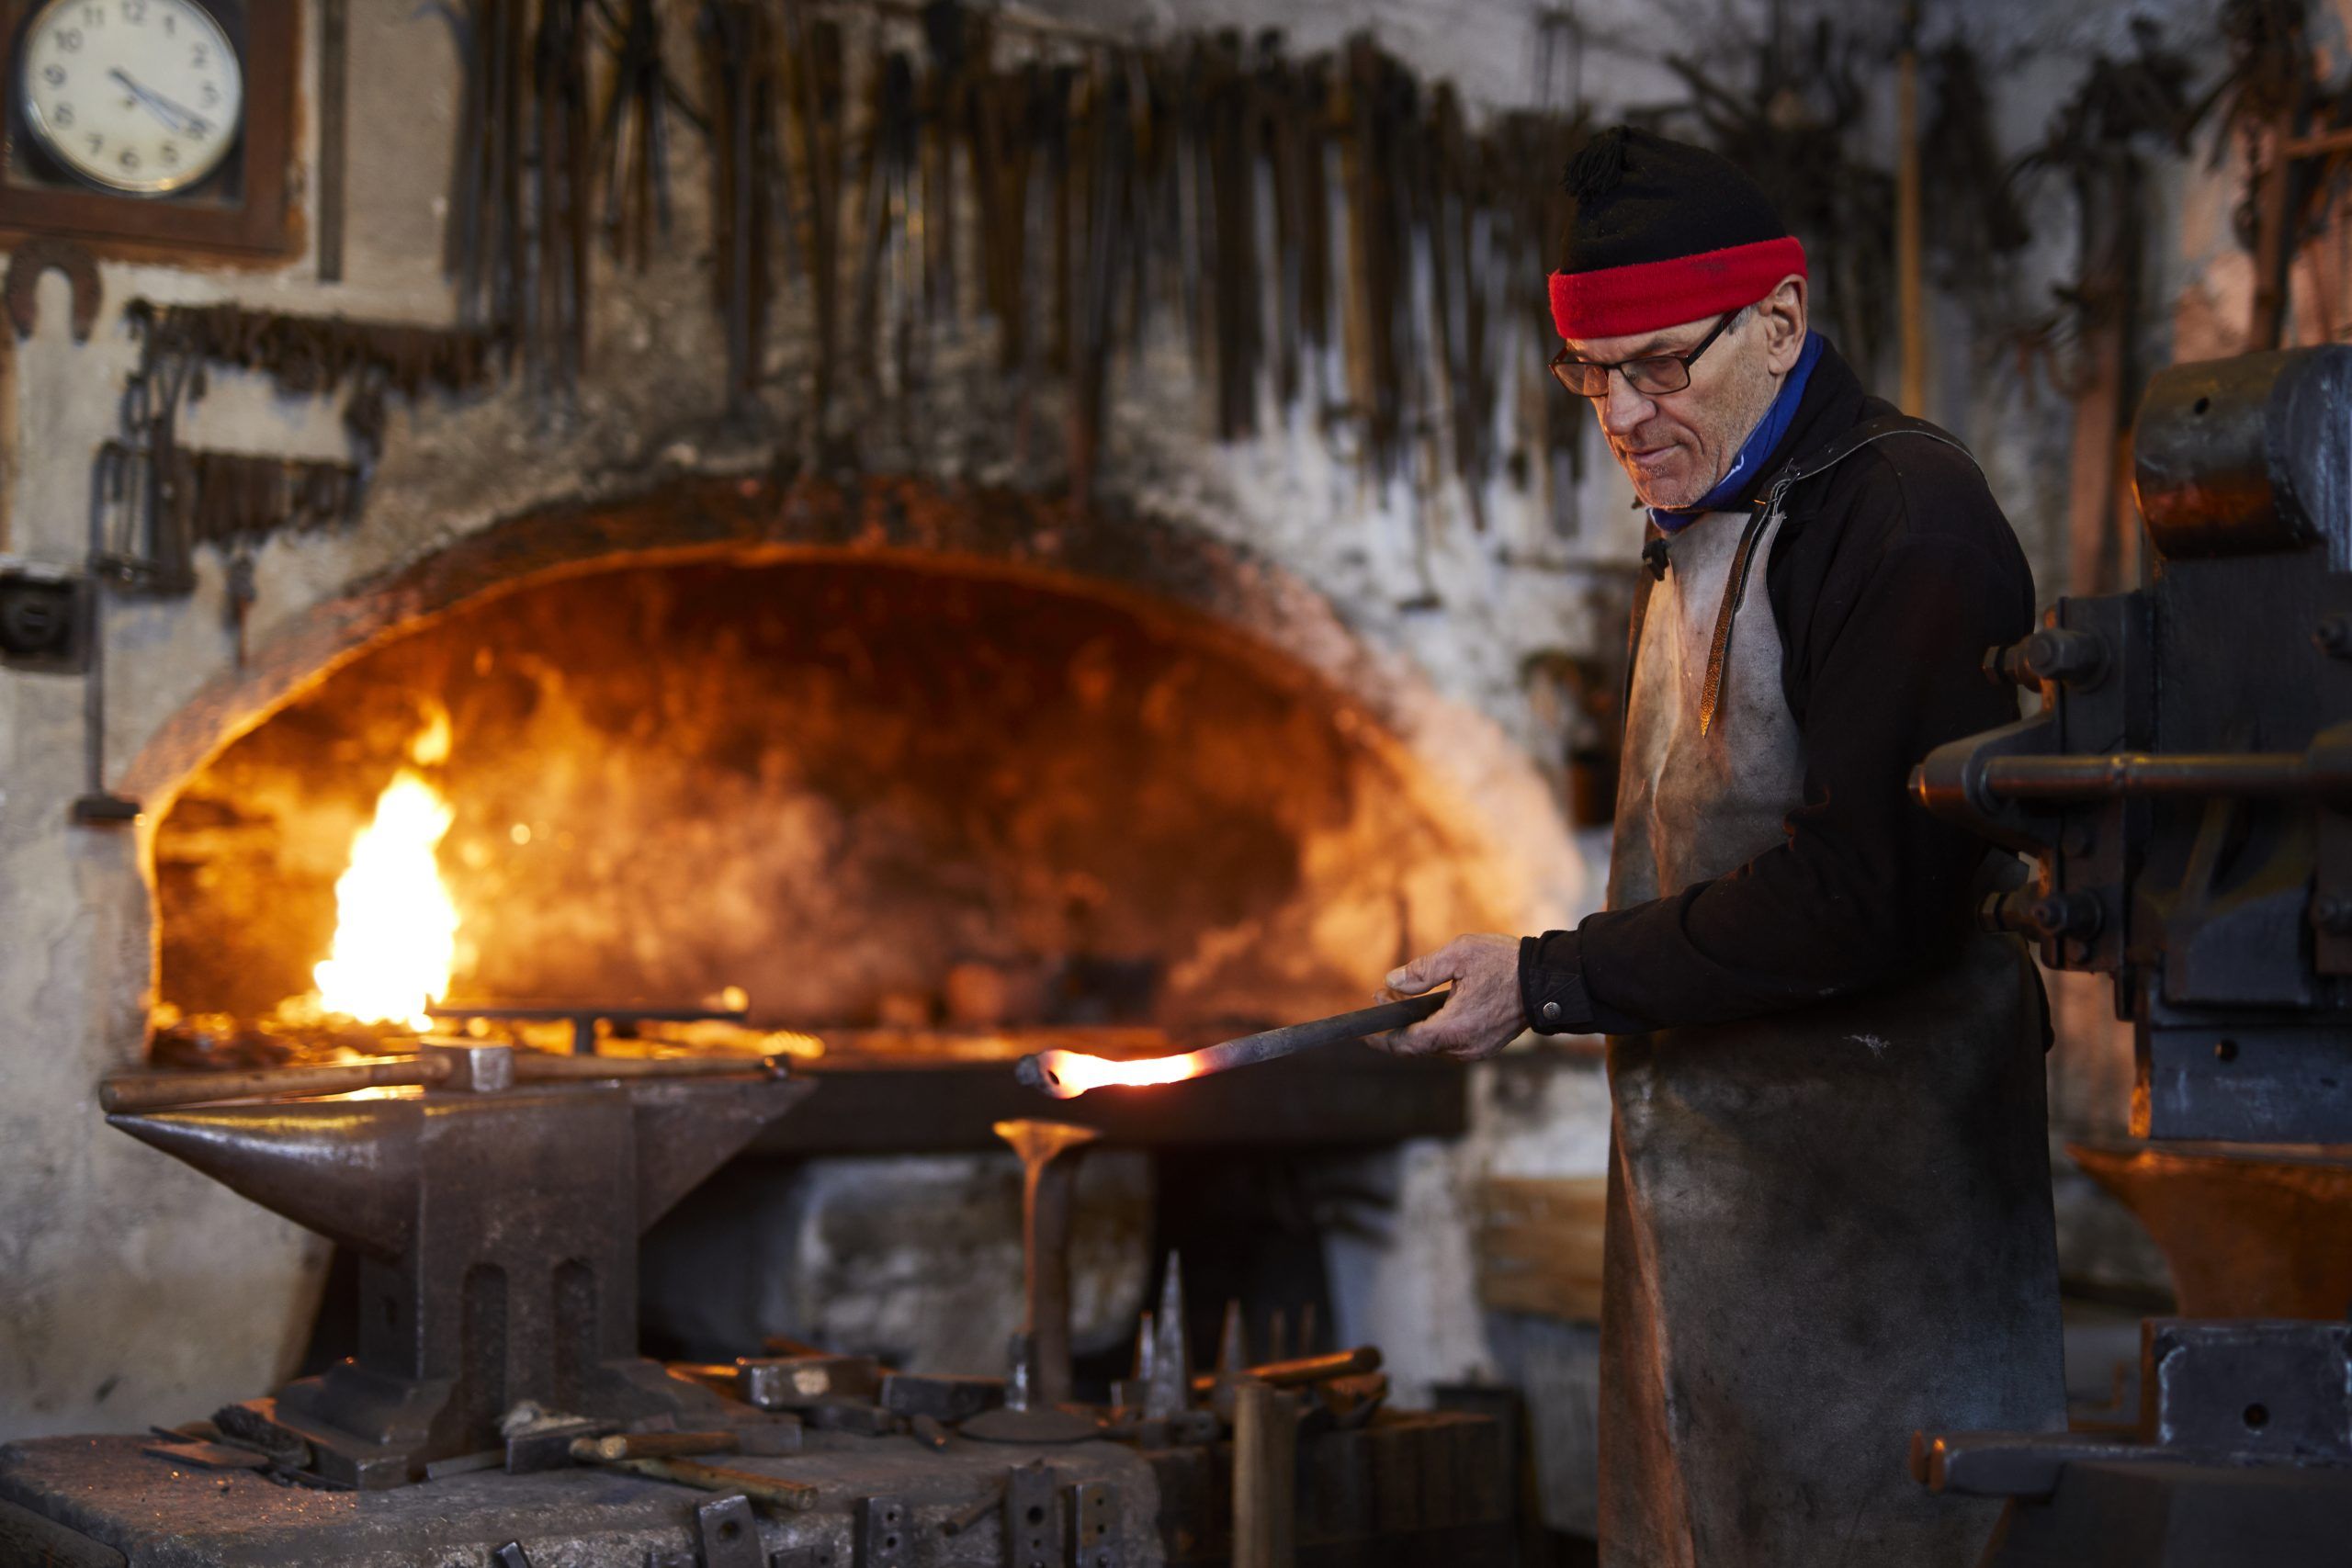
(1551, 984)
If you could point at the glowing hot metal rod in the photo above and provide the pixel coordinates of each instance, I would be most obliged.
(1066, 1074)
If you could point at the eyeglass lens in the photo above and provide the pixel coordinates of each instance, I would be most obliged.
(1649, 376)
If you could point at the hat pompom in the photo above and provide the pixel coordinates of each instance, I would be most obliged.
(1597, 168)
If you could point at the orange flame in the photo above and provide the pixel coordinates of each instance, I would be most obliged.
(396, 926)
(1066, 1074)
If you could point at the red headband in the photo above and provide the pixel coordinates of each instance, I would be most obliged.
(1619, 301)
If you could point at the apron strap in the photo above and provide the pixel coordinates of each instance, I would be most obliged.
(1735, 590)
(1769, 510)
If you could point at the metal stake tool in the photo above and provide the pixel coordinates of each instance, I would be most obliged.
(1047, 1181)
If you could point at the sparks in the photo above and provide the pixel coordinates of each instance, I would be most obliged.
(396, 926)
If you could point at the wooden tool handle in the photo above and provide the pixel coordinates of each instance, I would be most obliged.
(160, 1092)
(651, 1445)
(1305, 1370)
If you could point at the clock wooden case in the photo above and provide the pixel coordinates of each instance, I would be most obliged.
(191, 150)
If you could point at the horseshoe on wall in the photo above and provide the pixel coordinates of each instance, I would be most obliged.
(35, 257)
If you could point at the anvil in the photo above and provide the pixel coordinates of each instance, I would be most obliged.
(497, 1236)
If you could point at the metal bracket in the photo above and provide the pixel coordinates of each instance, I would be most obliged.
(1033, 1526)
(819, 1555)
(1095, 1536)
(44, 619)
(730, 1534)
(882, 1532)
(37, 255)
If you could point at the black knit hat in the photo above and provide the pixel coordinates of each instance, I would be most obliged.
(1664, 233)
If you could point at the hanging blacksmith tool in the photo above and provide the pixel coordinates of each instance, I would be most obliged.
(738, 55)
(335, 21)
(813, 46)
(1066, 1074)
(633, 141)
(885, 175)
(1102, 174)
(956, 41)
(557, 332)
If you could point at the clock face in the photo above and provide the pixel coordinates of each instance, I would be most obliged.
(142, 97)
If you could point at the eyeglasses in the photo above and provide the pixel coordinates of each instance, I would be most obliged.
(1654, 376)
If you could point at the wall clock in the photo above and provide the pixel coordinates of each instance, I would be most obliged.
(158, 125)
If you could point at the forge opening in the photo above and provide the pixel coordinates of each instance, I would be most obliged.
(860, 791)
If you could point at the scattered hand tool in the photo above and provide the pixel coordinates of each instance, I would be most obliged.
(1299, 1371)
(984, 1508)
(1066, 1074)
(209, 1456)
(795, 1496)
(766, 1438)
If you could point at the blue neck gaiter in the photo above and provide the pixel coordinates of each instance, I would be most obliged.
(1752, 451)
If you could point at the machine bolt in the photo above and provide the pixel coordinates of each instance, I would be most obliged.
(2075, 658)
(2076, 914)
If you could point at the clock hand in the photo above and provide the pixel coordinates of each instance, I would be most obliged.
(171, 113)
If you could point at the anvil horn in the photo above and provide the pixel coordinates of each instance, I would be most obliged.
(684, 1132)
(344, 1168)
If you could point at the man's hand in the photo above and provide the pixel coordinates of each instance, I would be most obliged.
(1482, 1016)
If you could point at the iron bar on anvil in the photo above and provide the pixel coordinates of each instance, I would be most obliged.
(437, 1065)
(583, 1018)
(1066, 1074)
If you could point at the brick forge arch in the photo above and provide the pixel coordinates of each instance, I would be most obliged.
(1481, 797)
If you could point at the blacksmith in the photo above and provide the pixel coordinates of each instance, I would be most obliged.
(1829, 1217)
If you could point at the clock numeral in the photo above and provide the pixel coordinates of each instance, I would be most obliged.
(63, 115)
(93, 16)
(203, 56)
(130, 158)
(97, 143)
(168, 153)
(171, 25)
(69, 39)
(212, 95)
(53, 75)
(135, 12)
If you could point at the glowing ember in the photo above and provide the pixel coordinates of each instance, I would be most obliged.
(1066, 1074)
(396, 927)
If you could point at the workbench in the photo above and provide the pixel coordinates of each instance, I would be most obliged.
(1411, 1488)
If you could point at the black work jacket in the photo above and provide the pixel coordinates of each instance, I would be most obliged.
(1893, 574)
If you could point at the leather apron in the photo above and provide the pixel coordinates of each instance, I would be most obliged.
(1826, 1227)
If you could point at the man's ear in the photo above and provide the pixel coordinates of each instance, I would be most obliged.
(1782, 315)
